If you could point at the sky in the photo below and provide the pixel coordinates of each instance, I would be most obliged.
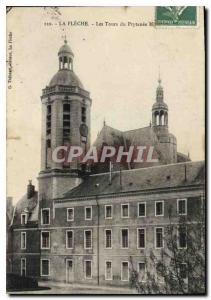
(118, 65)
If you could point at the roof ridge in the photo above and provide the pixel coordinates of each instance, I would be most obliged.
(159, 166)
(136, 129)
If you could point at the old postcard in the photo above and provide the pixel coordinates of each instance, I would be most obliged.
(106, 150)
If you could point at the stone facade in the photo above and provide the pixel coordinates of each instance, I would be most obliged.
(69, 201)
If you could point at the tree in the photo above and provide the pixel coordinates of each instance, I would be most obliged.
(177, 270)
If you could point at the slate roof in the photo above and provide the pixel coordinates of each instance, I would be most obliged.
(66, 78)
(137, 137)
(182, 157)
(24, 205)
(164, 176)
(112, 136)
(141, 136)
(109, 136)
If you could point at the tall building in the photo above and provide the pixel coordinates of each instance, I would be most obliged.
(66, 109)
(83, 227)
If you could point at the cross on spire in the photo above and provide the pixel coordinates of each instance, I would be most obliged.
(65, 38)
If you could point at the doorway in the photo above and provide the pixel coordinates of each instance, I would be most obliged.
(69, 271)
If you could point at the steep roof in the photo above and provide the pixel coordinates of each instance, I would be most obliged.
(112, 136)
(164, 176)
(29, 206)
(141, 136)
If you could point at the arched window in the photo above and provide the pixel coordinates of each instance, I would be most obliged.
(166, 118)
(161, 118)
(156, 116)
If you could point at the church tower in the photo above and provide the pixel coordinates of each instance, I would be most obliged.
(65, 121)
(160, 110)
(167, 143)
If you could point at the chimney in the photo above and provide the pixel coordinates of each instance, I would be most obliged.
(30, 190)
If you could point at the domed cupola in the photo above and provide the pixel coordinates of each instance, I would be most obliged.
(65, 57)
(65, 76)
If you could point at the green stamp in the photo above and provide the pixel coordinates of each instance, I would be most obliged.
(176, 15)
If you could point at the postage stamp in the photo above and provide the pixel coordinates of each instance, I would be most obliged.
(176, 15)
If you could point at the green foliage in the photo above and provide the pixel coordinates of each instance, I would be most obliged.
(181, 271)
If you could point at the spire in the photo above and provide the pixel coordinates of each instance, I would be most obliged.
(159, 91)
(159, 78)
(65, 39)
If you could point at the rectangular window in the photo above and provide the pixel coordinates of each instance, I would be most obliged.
(125, 210)
(69, 239)
(23, 267)
(45, 212)
(183, 271)
(23, 240)
(159, 237)
(88, 269)
(108, 211)
(108, 238)
(88, 213)
(23, 219)
(45, 267)
(182, 206)
(108, 270)
(141, 271)
(141, 238)
(142, 209)
(87, 239)
(45, 240)
(125, 238)
(182, 237)
(159, 208)
(125, 271)
(70, 214)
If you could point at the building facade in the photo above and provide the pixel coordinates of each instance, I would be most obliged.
(94, 227)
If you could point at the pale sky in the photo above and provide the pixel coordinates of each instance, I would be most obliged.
(117, 65)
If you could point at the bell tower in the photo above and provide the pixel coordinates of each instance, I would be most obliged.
(160, 110)
(167, 143)
(65, 111)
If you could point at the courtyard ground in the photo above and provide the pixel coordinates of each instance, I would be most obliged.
(63, 288)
